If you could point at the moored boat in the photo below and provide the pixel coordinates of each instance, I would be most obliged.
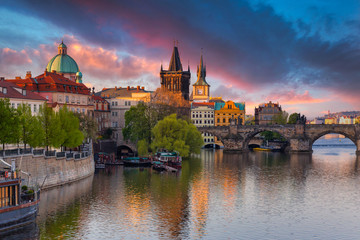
(18, 204)
(267, 149)
(137, 162)
(172, 159)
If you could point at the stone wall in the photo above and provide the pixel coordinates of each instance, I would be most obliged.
(51, 171)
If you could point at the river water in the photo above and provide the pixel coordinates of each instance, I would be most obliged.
(216, 195)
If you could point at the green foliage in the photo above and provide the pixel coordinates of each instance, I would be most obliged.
(30, 129)
(9, 121)
(70, 124)
(108, 133)
(280, 118)
(176, 135)
(293, 118)
(137, 123)
(142, 147)
(88, 126)
(269, 136)
(54, 135)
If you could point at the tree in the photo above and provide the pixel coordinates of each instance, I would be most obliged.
(280, 118)
(9, 123)
(30, 130)
(176, 135)
(88, 126)
(293, 118)
(137, 123)
(142, 147)
(70, 125)
(50, 122)
(108, 133)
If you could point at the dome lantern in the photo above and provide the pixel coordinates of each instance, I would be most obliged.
(62, 48)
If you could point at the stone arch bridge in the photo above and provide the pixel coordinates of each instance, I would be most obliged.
(300, 136)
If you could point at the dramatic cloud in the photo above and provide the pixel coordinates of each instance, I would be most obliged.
(291, 97)
(251, 47)
(10, 59)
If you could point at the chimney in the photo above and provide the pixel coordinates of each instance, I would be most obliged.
(128, 88)
(28, 74)
(17, 78)
(45, 73)
(2, 79)
(138, 88)
(143, 88)
(115, 88)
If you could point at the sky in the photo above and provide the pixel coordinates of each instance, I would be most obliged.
(303, 54)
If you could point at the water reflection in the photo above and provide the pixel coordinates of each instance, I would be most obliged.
(255, 195)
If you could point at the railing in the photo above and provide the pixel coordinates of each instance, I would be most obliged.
(43, 152)
(38, 152)
(50, 153)
(60, 154)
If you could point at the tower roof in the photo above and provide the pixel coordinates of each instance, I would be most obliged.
(175, 63)
(201, 74)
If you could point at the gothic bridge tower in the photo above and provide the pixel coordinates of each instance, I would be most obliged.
(175, 79)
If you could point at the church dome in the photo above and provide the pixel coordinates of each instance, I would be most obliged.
(62, 62)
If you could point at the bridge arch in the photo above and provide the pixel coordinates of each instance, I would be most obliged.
(323, 133)
(251, 135)
(124, 150)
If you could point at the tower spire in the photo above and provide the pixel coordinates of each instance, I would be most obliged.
(175, 63)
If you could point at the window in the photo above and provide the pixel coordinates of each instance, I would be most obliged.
(83, 110)
(116, 103)
(13, 105)
(218, 120)
(223, 120)
(112, 103)
(67, 99)
(129, 103)
(24, 92)
(125, 103)
(47, 97)
(35, 109)
(4, 90)
(17, 105)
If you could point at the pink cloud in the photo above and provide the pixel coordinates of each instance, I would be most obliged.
(292, 97)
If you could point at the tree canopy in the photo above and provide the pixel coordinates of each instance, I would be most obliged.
(73, 137)
(176, 134)
(280, 118)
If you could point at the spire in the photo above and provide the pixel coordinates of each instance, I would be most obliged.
(175, 63)
(201, 72)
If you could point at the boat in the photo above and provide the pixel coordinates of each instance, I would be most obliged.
(163, 166)
(137, 162)
(267, 149)
(19, 204)
(171, 159)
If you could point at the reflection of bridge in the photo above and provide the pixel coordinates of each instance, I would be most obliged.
(300, 137)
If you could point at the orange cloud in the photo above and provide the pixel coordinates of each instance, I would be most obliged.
(108, 64)
(291, 97)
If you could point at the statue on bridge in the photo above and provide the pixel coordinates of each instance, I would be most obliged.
(300, 119)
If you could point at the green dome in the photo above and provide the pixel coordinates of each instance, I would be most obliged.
(63, 64)
(62, 45)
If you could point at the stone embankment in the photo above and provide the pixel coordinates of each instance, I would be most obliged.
(50, 169)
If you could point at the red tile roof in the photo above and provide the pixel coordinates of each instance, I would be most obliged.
(13, 93)
(51, 82)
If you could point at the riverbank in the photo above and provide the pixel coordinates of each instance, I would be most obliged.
(51, 171)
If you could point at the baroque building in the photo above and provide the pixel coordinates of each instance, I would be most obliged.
(64, 64)
(265, 113)
(201, 89)
(175, 79)
(202, 115)
(225, 112)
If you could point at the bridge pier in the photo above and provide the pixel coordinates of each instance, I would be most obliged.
(357, 143)
(300, 145)
(231, 144)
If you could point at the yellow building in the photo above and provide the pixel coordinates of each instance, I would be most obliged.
(225, 111)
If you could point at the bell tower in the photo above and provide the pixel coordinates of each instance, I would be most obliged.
(175, 79)
(201, 89)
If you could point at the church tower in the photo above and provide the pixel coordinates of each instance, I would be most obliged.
(201, 89)
(175, 79)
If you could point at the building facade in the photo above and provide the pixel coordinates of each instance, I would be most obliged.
(202, 115)
(18, 96)
(265, 113)
(59, 91)
(101, 113)
(120, 100)
(175, 79)
(201, 89)
(225, 112)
